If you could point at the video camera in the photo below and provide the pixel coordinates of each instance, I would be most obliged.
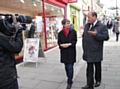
(8, 23)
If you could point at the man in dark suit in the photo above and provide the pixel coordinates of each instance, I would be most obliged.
(95, 33)
(67, 39)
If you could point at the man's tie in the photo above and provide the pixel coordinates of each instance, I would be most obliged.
(91, 26)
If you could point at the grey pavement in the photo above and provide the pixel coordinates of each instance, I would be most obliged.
(51, 74)
(110, 68)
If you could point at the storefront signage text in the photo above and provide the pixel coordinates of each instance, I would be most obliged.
(72, 1)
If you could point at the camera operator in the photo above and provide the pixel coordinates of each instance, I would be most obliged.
(8, 48)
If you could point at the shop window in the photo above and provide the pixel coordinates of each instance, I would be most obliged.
(54, 15)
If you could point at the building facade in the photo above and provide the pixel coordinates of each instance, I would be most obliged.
(73, 14)
(51, 13)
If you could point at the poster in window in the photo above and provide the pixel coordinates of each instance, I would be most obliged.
(39, 24)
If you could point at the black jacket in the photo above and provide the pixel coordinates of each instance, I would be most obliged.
(68, 55)
(93, 45)
(9, 47)
(109, 24)
(31, 32)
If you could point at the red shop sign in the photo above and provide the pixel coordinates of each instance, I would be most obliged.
(72, 1)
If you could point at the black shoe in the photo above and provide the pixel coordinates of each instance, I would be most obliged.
(97, 84)
(68, 86)
(87, 87)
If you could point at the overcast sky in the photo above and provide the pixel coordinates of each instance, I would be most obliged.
(110, 3)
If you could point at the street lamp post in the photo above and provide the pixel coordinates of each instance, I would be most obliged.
(116, 9)
(92, 5)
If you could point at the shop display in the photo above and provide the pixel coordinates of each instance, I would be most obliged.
(28, 10)
(52, 32)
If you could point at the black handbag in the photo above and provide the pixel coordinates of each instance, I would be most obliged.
(113, 29)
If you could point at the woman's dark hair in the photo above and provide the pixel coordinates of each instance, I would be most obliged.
(64, 21)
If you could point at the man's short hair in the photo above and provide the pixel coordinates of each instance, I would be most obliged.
(94, 13)
(64, 21)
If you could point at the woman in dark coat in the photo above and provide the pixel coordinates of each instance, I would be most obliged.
(67, 43)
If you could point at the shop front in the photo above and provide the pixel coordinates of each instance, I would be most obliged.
(53, 17)
(85, 10)
(75, 17)
(51, 13)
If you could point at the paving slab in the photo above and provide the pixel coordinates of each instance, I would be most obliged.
(51, 74)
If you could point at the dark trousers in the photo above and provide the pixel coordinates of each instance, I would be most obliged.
(90, 72)
(117, 36)
(69, 72)
(13, 85)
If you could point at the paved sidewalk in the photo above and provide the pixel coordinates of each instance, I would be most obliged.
(51, 74)
(48, 75)
(110, 68)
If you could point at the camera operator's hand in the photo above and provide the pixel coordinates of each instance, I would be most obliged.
(19, 25)
(19, 32)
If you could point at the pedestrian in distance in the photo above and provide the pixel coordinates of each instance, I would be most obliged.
(109, 26)
(95, 33)
(116, 29)
(71, 26)
(31, 31)
(67, 43)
